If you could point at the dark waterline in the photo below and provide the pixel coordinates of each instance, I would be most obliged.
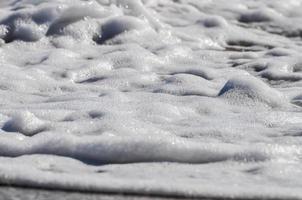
(20, 193)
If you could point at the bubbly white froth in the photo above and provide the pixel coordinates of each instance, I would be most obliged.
(184, 97)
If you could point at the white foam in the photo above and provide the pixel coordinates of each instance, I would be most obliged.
(26, 123)
(240, 88)
(125, 150)
(99, 88)
(119, 25)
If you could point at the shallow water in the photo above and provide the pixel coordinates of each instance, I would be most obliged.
(163, 97)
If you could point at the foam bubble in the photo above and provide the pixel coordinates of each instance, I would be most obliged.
(117, 26)
(26, 123)
(239, 88)
(72, 15)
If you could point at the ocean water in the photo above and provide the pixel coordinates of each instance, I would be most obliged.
(154, 97)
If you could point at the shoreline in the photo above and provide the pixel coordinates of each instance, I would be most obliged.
(21, 192)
